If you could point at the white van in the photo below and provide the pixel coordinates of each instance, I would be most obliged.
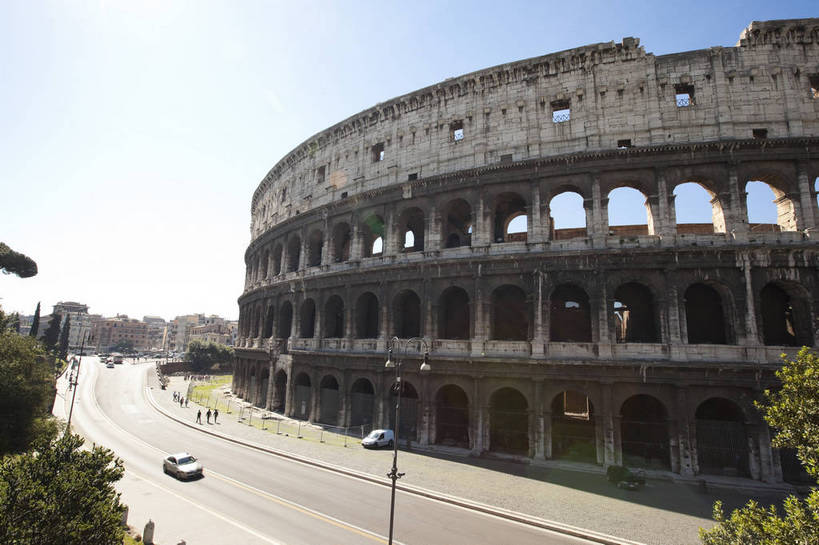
(378, 438)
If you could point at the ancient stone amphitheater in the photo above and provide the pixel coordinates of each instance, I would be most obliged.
(430, 216)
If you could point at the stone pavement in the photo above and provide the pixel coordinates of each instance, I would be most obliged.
(661, 513)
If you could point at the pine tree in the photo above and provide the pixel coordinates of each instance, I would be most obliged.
(52, 333)
(63, 353)
(35, 324)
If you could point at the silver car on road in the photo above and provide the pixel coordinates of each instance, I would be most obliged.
(182, 465)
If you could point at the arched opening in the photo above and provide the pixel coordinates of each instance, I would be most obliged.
(567, 216)
(510, 314)
(285, 324)
(263, 384)
(698, 210)
(457, 224)
(704, 316)
(407, 314)
(770, 210)
(362, 395)
(372, 231)
(722, 442)
(277, 259)
(328, 400)
(334, 318)
(268, 322)
(626, 206)
(293, 254)
(307, 317)
(341, 242)
(409, 410)
(509, 422)
(366, 316)
(569, 315)
(280, 392)
(644, 433)
(301, 409)
(785, 316)
(573, 435)
(411, 230)
(634, 320)
(452, 417)
(315, 246)
(265, 261)
(453, 314)
(509, 206)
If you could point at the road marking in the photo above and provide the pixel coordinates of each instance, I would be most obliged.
(281, 501)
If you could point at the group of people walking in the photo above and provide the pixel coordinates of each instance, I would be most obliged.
(208, 414)
(179, 398)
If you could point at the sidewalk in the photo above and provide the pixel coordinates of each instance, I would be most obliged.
(662, 513)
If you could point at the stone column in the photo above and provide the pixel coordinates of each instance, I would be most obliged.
(736, 214)
(355, 241)
(612, 453)
(683, 439)
(602, 323)
(426, 412)
(482, 235)
(390, 244)
(666, 222)
(271, 385)
(479, 418)
(752, 333)
(302, 251)
(480, 321)
(535, 231)
(538, 418)
(432, 237)
(314, 397)
(538, 340)
(807, 198)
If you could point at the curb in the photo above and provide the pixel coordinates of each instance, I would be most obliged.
(544, 524)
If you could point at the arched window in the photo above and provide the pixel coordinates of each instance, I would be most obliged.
(307, 316)
(293, 254)
(568, 217)
(510, 314)
(769, 207)
(573, 435)
(644, 432)
(509, 206)
(277, 259)
(366, 316)
(362, 396)
(341, 242)
(785, 316)
(453, 314)
(634, 314)
(334, 318)
(722, 441)
(285, 320)
(629, 213)
(411, 230)
(698, 210)
(372, 235)
(569, 315)
(509, 422)
(452, 417)
(705, 318)
(268, 322)
(315, 248)
(457, 224)
(407, 314)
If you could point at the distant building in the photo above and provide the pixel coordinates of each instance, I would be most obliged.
(81, 324)
(110, 331)
(218, 330)
(157, 331)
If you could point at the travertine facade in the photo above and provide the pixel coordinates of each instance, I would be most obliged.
(641, 344)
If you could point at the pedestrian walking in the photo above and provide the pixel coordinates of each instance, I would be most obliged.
(186, 402)
(199, 416)
(181, 400)
(215, 415)
(175, 396)
(208, 415)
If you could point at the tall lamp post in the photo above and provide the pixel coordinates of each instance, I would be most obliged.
(396, 364)
(72, 382)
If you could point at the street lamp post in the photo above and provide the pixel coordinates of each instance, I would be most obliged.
(394, 475)
(72, 381)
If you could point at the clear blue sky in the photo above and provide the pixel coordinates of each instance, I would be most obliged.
(134, 132)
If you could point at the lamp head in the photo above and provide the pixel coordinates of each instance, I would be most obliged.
(425, 366)
(390, 363)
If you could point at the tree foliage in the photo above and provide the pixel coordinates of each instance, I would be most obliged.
(12, 262)
(35, 323)
(59, 494)
(26, 393)
(52, 333)
(124, 346)
(62, 348)
(793, 411)
(203, 355)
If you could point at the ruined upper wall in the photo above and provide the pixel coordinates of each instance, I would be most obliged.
(616, 94)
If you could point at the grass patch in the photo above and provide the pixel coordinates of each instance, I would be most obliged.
(130, 540)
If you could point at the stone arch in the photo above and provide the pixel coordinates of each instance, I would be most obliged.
(573, 427)
(307, 319)
(705, 315)
(409, 410)
(301, 397)
(372, 230)
(623, 202)
(510, 314)
(457, 224)
(265, 262)
(509, 422)
(341, 242)
(722, 438)
(329, 400)
(644, 432)
(285, 324)
(634, 314)
(569, 314)
(406, 314)
(362, 397)
(452, 416)
(567, 215)
(293, 253)
(269, 321)
(280, 392)
(698, 209)
(785, 209)
(508, 206)
(453, 314)
(786, 316)
(410, 230)
(315, 247)
(334, 318)
(366, 316)
(277, 259)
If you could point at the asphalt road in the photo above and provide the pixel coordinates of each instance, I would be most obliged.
(249, 497)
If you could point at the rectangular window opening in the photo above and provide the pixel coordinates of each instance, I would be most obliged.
(506, 158)
(343, 194)
(412, 176)
(378, 152)
(760, 134)
(456, 129)
(561, 111)
(320, 174)
(684, 95)
(814, 86)
(623, 144)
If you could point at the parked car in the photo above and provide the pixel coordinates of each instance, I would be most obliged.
(109, 365)
(378, 438)
(182, 466)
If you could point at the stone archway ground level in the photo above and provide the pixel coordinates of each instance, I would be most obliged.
(653, 424)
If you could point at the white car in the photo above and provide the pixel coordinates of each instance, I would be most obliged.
(182, 465)
(109, 365)
(378, 438)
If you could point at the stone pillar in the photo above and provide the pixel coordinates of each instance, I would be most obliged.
(313, 415)
(343, 400)
(751, 336)
(426, 412)
(736, 213)
(598, 229)
(432, 237)
(602, 323)
(390, 238)
(289, 405)
(535, 231)
(770, 464)
(302, 251)
(538, 435)
(807, 199)
(478, 419)
(547, 432)
(480, 321)
(612, 453)
(427, 330)
(382, 402)
(355, 241)
(326, 241)
(666, 222)
(683, 439)
(482, 235)
(271, 384)
(538, 340)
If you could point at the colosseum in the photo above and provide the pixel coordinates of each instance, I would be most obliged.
(430, 216)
